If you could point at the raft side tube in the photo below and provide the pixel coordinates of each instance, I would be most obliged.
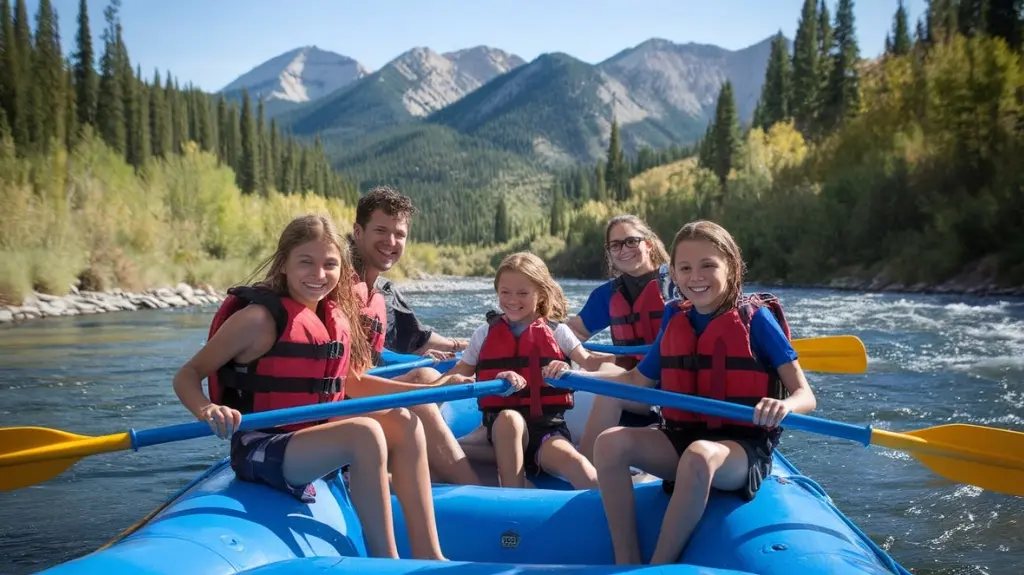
(224, 525)
(785, 526)
(346, 566)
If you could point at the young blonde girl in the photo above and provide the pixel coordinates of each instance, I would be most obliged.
(696, 452)
(524, 344)
(277, 344)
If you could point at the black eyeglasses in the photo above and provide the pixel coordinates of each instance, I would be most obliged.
(616, 245)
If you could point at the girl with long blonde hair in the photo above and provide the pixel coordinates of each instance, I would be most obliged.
(293, 339)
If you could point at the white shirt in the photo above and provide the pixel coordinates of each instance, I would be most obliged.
(564, 336)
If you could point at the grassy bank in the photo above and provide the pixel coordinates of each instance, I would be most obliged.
(86, 218)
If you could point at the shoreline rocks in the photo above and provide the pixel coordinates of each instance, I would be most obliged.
(40, 305)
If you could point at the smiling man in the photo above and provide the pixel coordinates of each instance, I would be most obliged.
(378, 239)
(378, 236)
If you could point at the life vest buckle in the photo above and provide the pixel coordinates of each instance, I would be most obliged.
(334, 350)
(328, 385)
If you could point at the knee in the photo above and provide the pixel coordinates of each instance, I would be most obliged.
(700, 461)
(423, 375)
(509, 421)
(367, 438)
(612, 447)
(406, 423)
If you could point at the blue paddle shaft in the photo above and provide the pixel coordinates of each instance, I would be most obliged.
(389, 371)
(734, 411)
(305, 413)
(617, 349)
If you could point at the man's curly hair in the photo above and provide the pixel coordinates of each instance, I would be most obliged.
(383, 198)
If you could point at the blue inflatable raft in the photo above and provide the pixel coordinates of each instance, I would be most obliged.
(217, 524)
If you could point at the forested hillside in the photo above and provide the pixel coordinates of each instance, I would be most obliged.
(903, 171)
(109, 178)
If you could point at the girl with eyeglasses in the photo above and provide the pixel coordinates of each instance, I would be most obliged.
(631, 305)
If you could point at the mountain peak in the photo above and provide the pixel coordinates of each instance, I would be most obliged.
(436, 80)
(299, 75)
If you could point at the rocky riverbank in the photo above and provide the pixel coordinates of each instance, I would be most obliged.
(40, 305)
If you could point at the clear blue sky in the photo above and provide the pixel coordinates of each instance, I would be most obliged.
(211, 42)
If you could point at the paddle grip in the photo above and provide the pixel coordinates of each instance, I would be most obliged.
(733, 411)
(305, 413)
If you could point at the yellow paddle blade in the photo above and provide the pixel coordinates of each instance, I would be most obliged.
(985, 457)
(832, 354)
(30, 455)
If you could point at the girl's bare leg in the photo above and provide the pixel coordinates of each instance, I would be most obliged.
(316, 451)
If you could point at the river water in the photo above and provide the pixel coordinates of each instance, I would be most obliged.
(933, 360)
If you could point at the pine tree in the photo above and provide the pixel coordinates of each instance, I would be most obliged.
(233, 134)
(159, 119)
(616, 173)
(502, 228)
(263, 140)
(206, 128)
(27, 124)
(86, 82)
(941, 18)
(706, 151)
(110, 113)
(276, 153)
(725, 134)
(179, 118)
(141, 140)
(600, 187)
(12, 90)
(900, 32)
(971, 16)
(806, 78)
(556, 222)
(776, 91)
(48, 72)
(920, 33)
(223, 152)
(289, 168)
(71, 126)
(842, 96)
(247, 173)
(133, 150)
(1003, 20)
(825, 63)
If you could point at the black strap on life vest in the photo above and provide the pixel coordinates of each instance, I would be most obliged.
(374, 327)
(239, 377)
(631, 318)
(511, 363)
(695, 362)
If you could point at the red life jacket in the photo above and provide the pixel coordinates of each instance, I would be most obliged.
(374, 317)
(637, 322)
(719, 364)
(526, 355)
(307, 364)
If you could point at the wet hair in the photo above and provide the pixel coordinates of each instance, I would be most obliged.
(383, 198)
(305, 229)
(551, 302)
(719, 237)
(658, 254)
